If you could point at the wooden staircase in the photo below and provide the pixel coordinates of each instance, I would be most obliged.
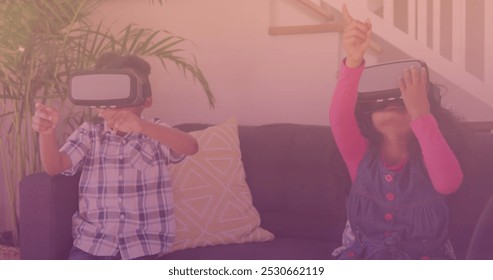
(454, 37)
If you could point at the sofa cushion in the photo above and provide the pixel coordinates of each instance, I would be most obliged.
(297, 178)
(213, 203)
(469, 201)
(278, 249)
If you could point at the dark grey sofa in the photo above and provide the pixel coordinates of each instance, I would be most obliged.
(298, 183)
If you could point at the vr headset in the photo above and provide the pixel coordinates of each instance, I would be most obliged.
(379, 85)
(107, 89)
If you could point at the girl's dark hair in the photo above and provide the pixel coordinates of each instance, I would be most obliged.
(111, 60)
(453, 129)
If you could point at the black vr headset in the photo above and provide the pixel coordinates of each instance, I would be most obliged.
(379, 85)
(107, 89)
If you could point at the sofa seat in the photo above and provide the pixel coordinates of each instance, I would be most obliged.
(278, 249)
(298, 184)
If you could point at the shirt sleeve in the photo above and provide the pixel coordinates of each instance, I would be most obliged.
(172, 156)
(442, 165)
(76, 148)
(344, 125)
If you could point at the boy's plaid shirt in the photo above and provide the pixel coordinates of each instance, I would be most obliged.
(125, 196)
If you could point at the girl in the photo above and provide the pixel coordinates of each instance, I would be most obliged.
(400, 168)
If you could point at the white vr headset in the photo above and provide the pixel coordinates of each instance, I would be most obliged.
(379, 84)
(107, 89)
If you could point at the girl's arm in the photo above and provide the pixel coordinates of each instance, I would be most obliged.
(442, 165)
(351, 143)
(345, 129)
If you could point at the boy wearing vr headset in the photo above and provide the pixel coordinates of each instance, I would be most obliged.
(125, 199)
(400, 164)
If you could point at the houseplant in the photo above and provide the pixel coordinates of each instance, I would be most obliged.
(41, 43)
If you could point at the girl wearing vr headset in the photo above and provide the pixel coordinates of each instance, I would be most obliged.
(400, 168)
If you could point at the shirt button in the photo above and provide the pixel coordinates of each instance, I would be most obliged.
(120, 235)
(388, 217)
(388, 178)
(120, 157)
(122, 217)
(124, 141)
(120, 178)
(390, 196)
(120, 199)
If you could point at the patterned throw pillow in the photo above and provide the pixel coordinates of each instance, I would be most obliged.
(213, 204)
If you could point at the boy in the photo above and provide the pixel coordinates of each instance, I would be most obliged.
(125, 198)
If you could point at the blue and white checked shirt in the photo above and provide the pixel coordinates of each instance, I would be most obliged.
(125, 196)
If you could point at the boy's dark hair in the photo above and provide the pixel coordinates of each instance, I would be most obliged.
(111, 60)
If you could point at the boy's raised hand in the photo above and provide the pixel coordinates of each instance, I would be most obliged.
(357, 36)
(121, 120)
(45, 119)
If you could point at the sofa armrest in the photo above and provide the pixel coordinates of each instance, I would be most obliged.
(47, 204)
(481, 245)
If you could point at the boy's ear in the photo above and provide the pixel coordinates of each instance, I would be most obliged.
(148, 102)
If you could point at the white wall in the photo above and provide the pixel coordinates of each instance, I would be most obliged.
(256, 77)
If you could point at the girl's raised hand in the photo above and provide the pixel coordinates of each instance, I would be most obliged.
(357, 36)
(414, 85)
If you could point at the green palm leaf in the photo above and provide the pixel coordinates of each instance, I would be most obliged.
(41, 43)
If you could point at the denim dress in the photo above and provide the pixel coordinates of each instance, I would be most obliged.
(395, 214)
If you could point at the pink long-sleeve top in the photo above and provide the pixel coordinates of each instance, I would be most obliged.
(442, 165)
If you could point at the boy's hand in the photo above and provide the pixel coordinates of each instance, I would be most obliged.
(356, 38)
(414, 85)
(45, 119)
(121, 120)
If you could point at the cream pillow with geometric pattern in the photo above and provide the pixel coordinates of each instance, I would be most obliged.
(213, 203)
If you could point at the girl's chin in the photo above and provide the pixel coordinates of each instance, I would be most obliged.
(386, 113)
(391, 117)
(399, 109)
